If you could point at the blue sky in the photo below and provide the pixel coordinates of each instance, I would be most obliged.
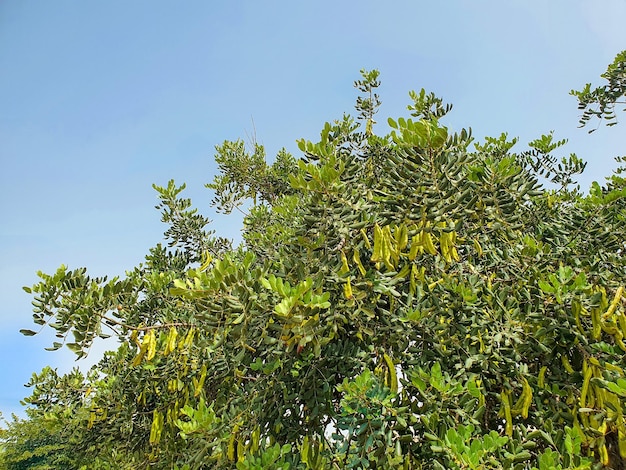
(98, 100)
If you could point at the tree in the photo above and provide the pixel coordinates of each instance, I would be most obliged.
(399, 301)
(33, 444)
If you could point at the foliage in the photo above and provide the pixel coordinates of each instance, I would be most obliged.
(600, 102)
(34, 444)
(405, 300)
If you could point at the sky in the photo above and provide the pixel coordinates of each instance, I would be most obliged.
(99, 100)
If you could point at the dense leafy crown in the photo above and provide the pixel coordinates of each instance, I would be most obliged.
(411, 300)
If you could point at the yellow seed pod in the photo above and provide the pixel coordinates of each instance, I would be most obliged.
(377, 254)
(402, 237)
(528, 400)
(200, 383)
(587, 373)
(506, 408)
(596, 331)
(604, 454)
(156, 428)
(357, 260)
(344, 265)
(347, 289)
(416, 247)
(615, 302)
(232, 442)
(151, 345)
(621, 440)
(621, 319)
(427, 241)
(391, 373)
(478, 247)
(366, 240)
(171, 340)
(133, 338)
(566, 364)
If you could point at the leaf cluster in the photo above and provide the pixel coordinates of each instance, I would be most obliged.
(600, 102)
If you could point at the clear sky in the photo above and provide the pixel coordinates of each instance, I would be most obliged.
(98, 100)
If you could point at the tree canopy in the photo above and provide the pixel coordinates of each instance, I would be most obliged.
(408, 300)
